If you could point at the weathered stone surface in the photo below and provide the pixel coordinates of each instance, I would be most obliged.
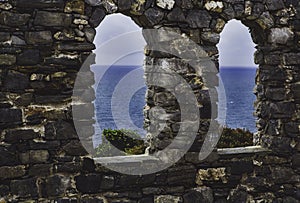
(56, 185)
(211, 174)
(39, 38)
(154, 15)
(15, 40)
(176, 15)
(210, 37)
(265, 20)
(198, 19)
(10, 116)
(281, 35)
(291, 59)
(39, 3)
(52, 19)
(4, 37)
(34, 156)
(90, 34)
(76, 6)
(40, 169)
(16, 81)
(88, 183)
(14, 136)
(7, 157)
(74, 148)
(167, 199)
(76, 47)
(199, 195)
(165, 4)
(60, 130)
(13, 19)
(216, 6)
(24, 188)
(29, 57)
(97, 16)
(7, 172)
(6, 59)
(275, 4)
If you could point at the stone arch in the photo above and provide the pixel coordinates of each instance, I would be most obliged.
(270, 28)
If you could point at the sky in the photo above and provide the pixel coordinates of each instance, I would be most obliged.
(236, 47)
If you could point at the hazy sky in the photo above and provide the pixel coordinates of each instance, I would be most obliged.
(236, 46)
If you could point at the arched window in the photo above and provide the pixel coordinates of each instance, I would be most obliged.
(119, 83)
(237, 71)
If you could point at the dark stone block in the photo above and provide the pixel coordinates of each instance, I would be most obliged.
(36, 4)
(52, 99)
(238, 195)
(29, 57)
(75, 148)
(56, 185)
(52, 19)
(24, 99)
(39, 38)
(199, 195)
(154, 15)
(275, 5)
(176, 15)
(4, 190)
(24, 188)
(88, 165)
(125, 5)
(240, 167)
(97, 17)
(88, 183)
(4, 36)
(10, 50)
(13, 19)
(74, 63)
(291, 59)
(7, 157)
(146, 200)
(60, 130)
(41, 169)
(75, 46)
(198, 19)
(15, 81)
(71, 167)
(92, 200)
(107, 182)
(296, 161)
(10, 116)
(14, 136)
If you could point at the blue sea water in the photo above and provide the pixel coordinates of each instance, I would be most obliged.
(238, 84)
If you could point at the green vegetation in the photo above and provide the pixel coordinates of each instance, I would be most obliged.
(127, 142)
(235, 138)
(120, 142)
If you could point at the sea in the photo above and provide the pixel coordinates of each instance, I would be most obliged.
(120, 99)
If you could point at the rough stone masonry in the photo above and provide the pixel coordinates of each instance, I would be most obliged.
(43, 44)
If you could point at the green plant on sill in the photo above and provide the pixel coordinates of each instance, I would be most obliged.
(235, 138)
(128, 142)
(120, 143)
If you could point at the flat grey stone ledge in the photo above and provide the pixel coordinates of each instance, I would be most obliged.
(138, 159)
(242, 150)
(126, 159)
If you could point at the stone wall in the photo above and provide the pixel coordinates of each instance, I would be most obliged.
(43, 44)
